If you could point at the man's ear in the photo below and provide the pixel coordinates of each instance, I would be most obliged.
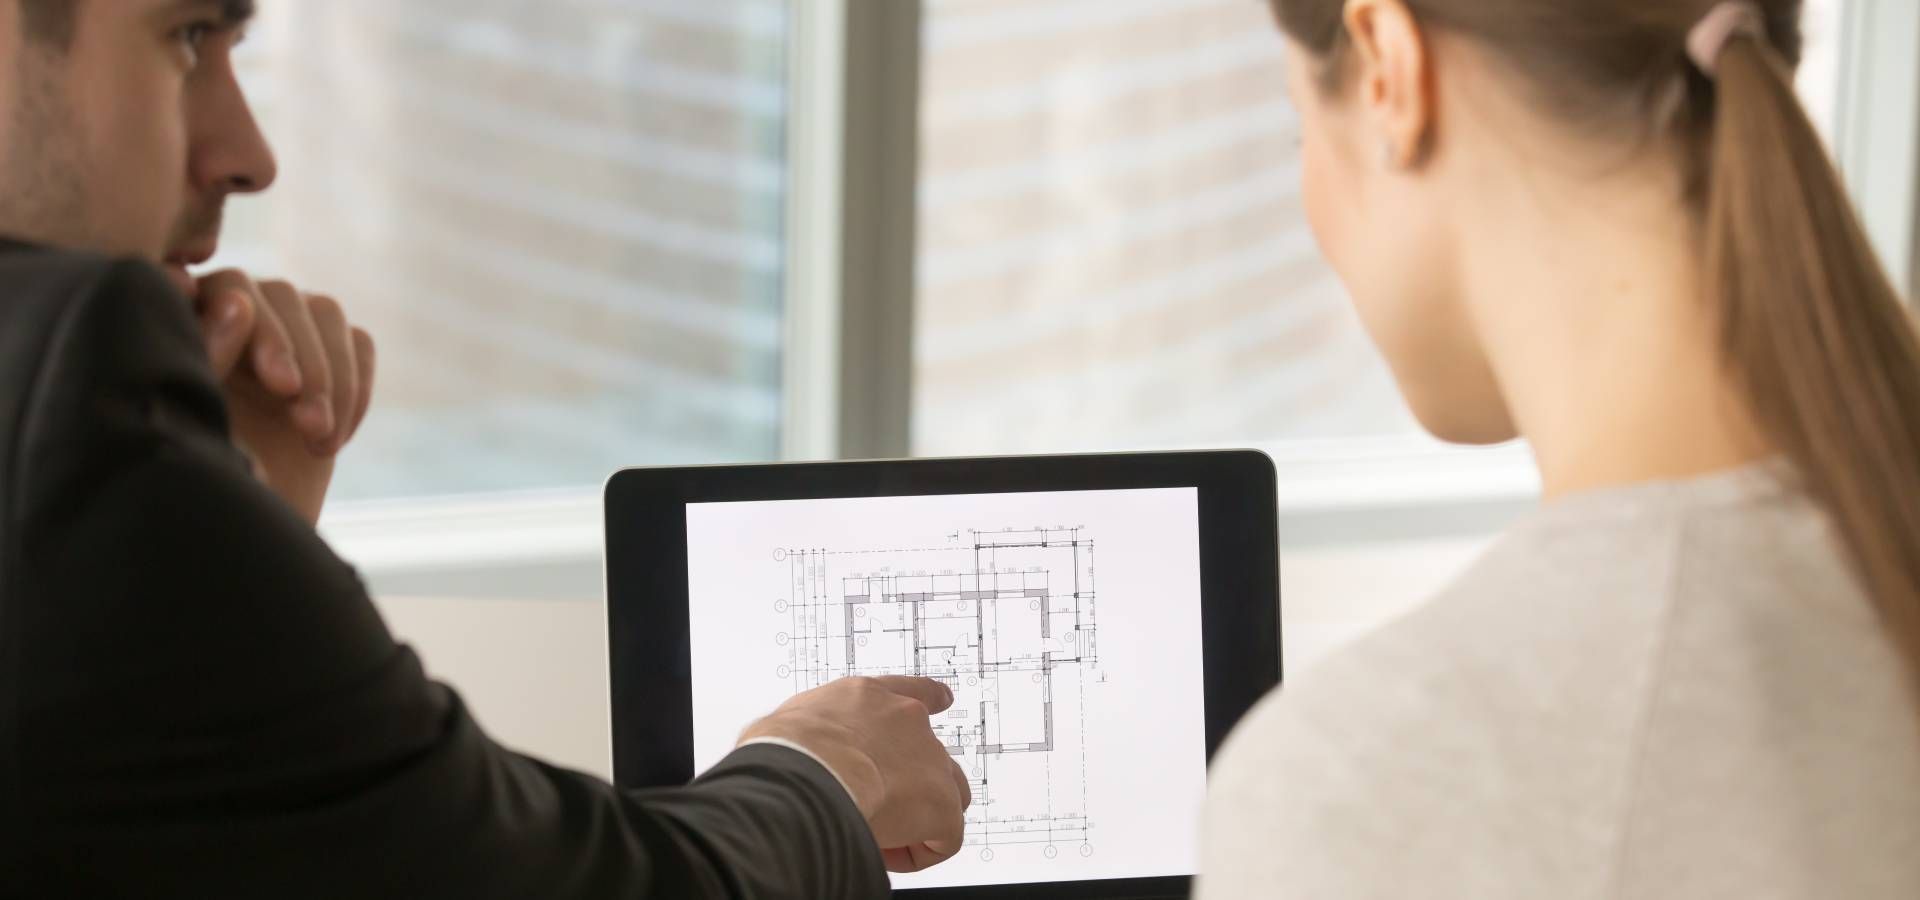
(1395, 76)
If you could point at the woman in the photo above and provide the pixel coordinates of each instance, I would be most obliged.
(1607, 226)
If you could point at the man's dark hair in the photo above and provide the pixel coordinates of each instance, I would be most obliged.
(48, 21)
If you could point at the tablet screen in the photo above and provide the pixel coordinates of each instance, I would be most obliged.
(1068, 625)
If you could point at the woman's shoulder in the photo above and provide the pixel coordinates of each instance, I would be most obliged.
(1493, 735)
(1430, 747)
(1559, 628)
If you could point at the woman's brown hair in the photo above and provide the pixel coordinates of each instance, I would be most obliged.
(1810, 323)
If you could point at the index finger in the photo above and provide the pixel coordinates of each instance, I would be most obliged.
(227, 324)
(313, 412)
(270, 349)
(932, 694)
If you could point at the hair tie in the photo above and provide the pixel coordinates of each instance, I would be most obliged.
(1709, 37)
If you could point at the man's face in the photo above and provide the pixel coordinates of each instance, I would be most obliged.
(128, 138)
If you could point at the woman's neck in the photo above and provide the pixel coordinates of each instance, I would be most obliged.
(1590, 302)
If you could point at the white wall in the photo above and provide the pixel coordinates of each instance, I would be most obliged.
(535, 671)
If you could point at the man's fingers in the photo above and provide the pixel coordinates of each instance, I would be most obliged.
(899, 859)
(299, 348)
(363, 356)
(935, 696)
(226, 323)
(915, 857)
(313, 412)
(269, 351)
(336, 341)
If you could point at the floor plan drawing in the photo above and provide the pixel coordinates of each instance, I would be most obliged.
(1066, 622)
(1007, 619)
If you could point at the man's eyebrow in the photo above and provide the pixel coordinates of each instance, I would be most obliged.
(236, 13)
(232, 13)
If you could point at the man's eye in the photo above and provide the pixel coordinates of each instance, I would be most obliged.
(192, 36)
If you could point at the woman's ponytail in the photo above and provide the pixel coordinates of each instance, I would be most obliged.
(1813, 326)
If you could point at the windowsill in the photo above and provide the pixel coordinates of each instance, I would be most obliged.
(548, 544)
(1356, 492)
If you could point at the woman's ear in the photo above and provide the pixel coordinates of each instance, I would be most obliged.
(1394, 75)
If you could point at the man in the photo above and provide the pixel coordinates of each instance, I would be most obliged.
(196, 696)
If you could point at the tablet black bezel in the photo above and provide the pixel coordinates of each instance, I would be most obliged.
(646, 561)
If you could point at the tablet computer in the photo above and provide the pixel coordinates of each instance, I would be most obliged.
(1103, 622)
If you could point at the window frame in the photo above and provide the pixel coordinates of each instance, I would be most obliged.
(815, 312)
(1877, 126)
(853, 154)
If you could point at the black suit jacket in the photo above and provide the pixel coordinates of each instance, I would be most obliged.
(197, 698)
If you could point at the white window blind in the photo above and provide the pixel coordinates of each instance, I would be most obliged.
(1112, 248)
(562, 221)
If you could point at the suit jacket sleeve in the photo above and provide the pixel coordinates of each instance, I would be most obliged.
(207, 704)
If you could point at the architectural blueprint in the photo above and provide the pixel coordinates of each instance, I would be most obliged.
(1067, 624)
(1009, 620)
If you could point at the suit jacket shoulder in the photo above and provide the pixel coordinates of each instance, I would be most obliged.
(198, 699)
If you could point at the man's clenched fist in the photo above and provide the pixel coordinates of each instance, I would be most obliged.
(298, 378)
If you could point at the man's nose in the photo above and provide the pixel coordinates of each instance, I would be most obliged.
(231, 155)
